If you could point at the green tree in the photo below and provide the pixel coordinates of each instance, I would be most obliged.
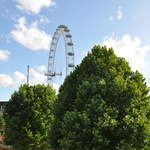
(1, 124)
(28, 117)
(102, 105)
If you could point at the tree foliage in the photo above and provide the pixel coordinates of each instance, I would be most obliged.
(28, 117)
(2, 124)
(102, 105)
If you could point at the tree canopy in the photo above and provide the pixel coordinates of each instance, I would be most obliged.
(1, 124)
(102, 105)
(28, 116)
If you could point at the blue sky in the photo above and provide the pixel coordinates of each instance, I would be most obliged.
(27, 26)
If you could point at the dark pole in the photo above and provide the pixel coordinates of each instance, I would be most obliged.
(28, 75)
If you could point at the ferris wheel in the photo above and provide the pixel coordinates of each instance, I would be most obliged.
(61, 30)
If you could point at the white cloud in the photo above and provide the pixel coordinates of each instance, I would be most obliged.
(36, 76)
(31, 36)
(12, 81)
(56, 87)
(4, 54)
(19, 75)
(129, 48)
(6, 80)
(34, 6)
(41, 68)
(43, 19)
(18, 78)
(119, 13)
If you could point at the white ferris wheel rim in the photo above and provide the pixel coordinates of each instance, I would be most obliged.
(61, 30)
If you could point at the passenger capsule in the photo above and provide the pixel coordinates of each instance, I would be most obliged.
(69, 36)
(66, 30)
(70, 65)
(70, 53)
(70, 44)
(62, 26)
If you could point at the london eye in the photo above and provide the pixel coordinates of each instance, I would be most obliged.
(63, 31)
